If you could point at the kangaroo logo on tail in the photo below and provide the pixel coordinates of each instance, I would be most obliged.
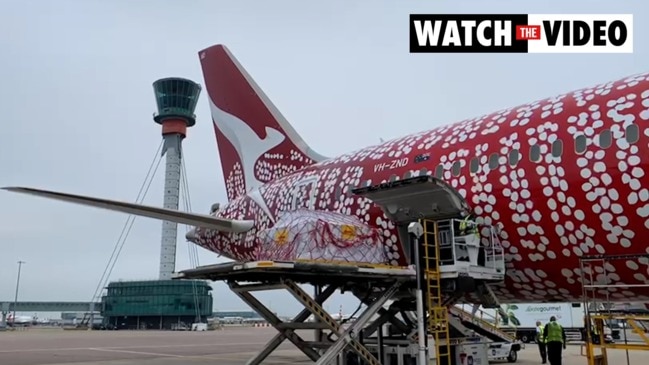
(256, 143)
(246, 142)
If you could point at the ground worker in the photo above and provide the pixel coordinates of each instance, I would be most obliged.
(555, 339)
(594, 332)
(468, 226)
(540, 340)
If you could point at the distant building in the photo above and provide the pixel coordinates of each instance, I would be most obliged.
(236, 314)
(159, 304)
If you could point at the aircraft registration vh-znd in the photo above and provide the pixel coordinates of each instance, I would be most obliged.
(563, 176)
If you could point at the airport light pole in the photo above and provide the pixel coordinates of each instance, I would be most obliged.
(20, 264)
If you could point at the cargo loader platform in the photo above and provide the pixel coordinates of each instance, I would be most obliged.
(452, 254)
(373, 286)
(306, 272)
(385, 328)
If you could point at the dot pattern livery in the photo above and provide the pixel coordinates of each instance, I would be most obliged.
(565, 176)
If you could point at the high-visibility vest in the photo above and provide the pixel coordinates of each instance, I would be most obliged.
(540, 338)
(593, 326)
(555, 332)
(463, 223)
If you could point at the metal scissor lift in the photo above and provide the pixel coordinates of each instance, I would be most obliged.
(404, 202)
(245, 278)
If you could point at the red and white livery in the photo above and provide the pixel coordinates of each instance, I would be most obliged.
(565, 176)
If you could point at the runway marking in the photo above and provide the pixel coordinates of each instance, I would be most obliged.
(134, 347)
(135, 352)
(55, 349)
(236, 356)
(227, 356)
(186, 345)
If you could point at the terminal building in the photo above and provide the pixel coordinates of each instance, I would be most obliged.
(159, 304)
(236, 314)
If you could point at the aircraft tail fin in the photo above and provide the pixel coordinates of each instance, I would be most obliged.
(256, 143)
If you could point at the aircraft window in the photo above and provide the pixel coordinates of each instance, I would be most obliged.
(439, 171)
(493, 161)
(580, 144)
(514, 157)
(605, 138)
(632, 133)
(475, 165)
(535, 153)
(557, 148)
(456, 168)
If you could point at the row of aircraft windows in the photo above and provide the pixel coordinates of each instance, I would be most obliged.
(632, 135)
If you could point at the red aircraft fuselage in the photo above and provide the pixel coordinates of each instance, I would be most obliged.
(565, 176)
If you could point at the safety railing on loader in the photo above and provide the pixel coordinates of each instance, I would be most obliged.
(463, 242)
(484, 324)
(597, 288)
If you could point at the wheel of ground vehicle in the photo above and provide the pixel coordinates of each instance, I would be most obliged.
(525, 339)
(513, 356)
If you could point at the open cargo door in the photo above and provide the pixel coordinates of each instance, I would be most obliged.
(421, 197)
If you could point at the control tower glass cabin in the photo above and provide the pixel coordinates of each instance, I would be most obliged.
(176, 98)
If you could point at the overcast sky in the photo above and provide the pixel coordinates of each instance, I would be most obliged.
(77, 97)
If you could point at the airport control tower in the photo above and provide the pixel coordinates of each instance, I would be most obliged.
(176, 100)
(164, 303)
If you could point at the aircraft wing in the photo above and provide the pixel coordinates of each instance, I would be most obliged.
(196, 220)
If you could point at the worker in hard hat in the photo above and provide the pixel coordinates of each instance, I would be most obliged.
(540, 340)
(555, 337)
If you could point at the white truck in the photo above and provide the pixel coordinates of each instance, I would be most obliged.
(521, 318)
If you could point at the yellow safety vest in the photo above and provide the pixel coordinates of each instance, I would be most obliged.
(541, 339)
(555, 332)
(463, 223)
(593, 326)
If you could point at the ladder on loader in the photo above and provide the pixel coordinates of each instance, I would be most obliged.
(446, 261)
(438, 324)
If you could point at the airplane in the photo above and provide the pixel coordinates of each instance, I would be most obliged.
(563, 177)
(342, 317)
(21, 320)
(335, 316)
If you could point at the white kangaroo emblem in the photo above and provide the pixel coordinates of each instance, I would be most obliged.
(249, 147)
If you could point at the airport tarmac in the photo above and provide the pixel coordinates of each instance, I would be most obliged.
(231, 346)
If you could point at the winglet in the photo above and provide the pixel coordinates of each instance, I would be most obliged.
(197, 220)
